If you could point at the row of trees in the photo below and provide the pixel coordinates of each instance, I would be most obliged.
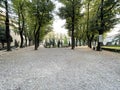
(33, 17)
(85, 19)
(56, 40)
(88, 19)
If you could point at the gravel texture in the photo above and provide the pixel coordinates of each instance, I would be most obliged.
(59, 69)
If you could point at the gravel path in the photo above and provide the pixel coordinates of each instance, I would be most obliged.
(59, 69)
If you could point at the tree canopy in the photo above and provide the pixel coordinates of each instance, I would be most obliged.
(91, 18)
(85, 19)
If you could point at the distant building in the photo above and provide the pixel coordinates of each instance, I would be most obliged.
(15, 36)
(116, 40)
(113, 40)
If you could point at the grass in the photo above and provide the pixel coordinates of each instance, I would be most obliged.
(112, 47)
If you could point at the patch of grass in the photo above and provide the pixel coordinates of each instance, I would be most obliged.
(112, 47)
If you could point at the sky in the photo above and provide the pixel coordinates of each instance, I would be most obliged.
(114, 30)
(58, 24)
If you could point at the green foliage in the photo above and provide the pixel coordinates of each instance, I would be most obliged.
(72, 13)
(38, 18)
(109, 15)
(65, 40)
(44, 31)
(66, 12)
(39, 14)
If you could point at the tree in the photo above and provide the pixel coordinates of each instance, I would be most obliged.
(20, 9)
(4, 3)
(90, 17)
(7, 27)
(107, 17)
(70, 12)
(80, 32)
(100, 18)
(41, 12)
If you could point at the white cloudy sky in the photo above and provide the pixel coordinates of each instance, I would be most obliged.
(58, 24)
(114, 31)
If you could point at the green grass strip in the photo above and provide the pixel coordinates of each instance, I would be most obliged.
(112, 47)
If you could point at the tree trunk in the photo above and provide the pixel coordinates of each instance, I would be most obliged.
(21, 36)
(25, 41)
(76, 42)
(29, 42)
(102, 26)
(22, 29)
(37, 38)
(80, 42)
(7, 27)
(90, 44)
(90, 41)
(88, 36)
(35, 42)
(73, 22)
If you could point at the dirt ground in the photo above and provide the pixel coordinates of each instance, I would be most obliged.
(59, 69)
